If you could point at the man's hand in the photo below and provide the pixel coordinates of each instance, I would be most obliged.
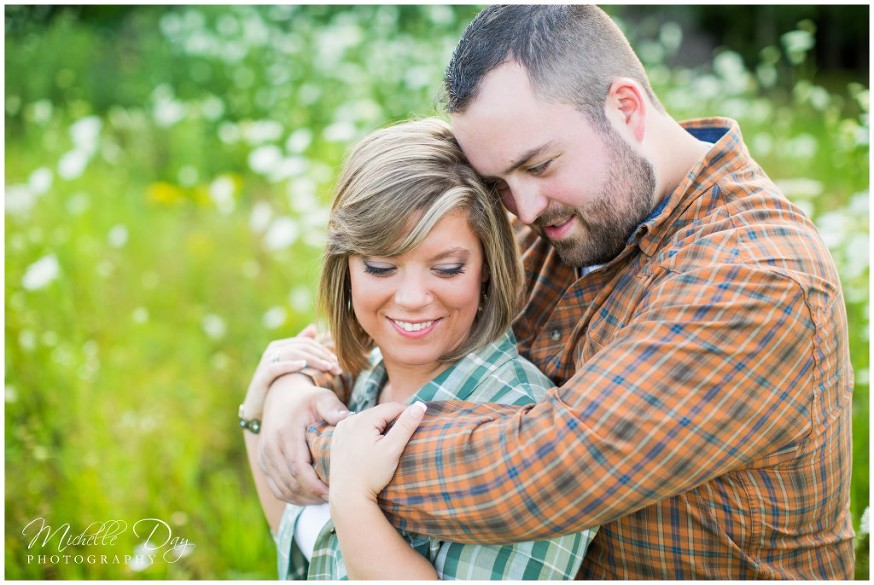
(292, 405)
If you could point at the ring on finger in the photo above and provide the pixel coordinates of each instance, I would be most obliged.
(275, 357)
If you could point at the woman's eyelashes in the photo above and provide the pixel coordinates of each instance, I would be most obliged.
(377, 269)
(443, 270)
(450, 270)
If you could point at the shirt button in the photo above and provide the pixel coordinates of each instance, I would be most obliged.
(555, 335)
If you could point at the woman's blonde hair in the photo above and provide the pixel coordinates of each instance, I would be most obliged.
(396, 185)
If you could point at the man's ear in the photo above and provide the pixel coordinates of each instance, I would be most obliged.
(627, 103)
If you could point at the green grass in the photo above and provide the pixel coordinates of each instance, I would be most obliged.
(177, 260)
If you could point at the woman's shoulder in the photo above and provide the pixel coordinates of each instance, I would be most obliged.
(511, 379)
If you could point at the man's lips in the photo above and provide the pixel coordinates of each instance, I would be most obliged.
(558, 228)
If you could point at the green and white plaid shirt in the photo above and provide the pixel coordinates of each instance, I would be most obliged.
(496, 373)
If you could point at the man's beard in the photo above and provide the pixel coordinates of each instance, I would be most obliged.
(610, 218)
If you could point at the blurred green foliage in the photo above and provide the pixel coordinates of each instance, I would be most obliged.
(168, 171)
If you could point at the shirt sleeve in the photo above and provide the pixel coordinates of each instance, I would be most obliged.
(291, 563)
(341, 385)
(713, 373)
(557, 559)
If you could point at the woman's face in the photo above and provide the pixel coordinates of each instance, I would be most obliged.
(421, 305)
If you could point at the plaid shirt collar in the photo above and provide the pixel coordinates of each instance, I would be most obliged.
(724, 157)
(450, 383)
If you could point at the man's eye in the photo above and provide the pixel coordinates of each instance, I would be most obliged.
(538, 169)
(377, 269)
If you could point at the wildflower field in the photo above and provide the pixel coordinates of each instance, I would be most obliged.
(167, 179)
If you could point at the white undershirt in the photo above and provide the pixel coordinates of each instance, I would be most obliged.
(309, 525)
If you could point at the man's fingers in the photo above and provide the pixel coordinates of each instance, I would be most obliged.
(310, 487)
(405, 425)
(330, 409)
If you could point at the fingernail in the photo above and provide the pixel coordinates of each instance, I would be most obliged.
(421, 406)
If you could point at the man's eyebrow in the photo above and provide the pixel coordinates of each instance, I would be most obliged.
(525, 159)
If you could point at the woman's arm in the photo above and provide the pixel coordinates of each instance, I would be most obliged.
(364, 461)
(281, 358)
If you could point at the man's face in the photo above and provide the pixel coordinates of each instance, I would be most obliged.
(583, 190)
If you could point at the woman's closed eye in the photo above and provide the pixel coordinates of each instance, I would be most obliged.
(378, 269)
(448, 270)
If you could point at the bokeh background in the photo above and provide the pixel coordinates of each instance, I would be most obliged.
(168, 171)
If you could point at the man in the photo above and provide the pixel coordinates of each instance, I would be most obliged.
(690, 315)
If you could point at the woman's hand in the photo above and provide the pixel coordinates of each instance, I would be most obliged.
(286, 356)
(363, 459)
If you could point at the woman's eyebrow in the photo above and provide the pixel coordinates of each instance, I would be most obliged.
(454, 251)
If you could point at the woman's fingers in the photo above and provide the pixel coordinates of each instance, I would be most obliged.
(404, 426)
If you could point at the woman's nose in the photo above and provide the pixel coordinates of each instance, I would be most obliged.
(412, 292)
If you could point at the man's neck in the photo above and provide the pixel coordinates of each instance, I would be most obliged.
(678, 153)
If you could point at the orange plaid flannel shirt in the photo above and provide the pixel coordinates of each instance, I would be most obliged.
(702, 417)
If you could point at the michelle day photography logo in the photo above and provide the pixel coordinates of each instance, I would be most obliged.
(157, 542)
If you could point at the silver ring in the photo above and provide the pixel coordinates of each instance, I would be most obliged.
(275, 357)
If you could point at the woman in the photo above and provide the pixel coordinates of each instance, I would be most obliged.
(420, 282)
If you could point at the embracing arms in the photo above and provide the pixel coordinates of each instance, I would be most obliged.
(689, 391)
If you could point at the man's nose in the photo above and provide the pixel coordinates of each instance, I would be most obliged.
(412, 292)
(528, 202)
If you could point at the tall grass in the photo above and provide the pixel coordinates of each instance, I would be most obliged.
(166, 192)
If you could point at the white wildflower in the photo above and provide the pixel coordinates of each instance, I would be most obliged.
(281, 234)
(301, 299)
(42, 272)
(214, 326)
(72, 164)
(19, 200)
(261, 131)
(140, 560)
(187, 176)
(85, 134)
(140, 315)
(274, 317)
(40, 181)
(221, 191)
(27, 340)
(299, 140)
(117, 237)
(340, 132)
(265, 159)
(260, 217)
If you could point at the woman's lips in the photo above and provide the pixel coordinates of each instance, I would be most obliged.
(413, 328)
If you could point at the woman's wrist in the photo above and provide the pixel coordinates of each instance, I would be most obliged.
(347, 503)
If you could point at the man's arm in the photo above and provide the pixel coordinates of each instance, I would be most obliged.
(693, 388)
